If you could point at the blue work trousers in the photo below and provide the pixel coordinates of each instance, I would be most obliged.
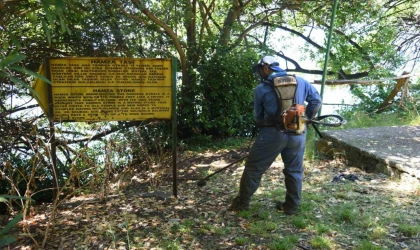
(268, 145)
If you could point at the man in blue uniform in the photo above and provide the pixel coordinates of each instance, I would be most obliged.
(272, 140)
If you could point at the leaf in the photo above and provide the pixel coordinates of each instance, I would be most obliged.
(11, 224)
(47, 31)
(11, 59)
(32, 73)
(18, 81)
(4, 241)
(6, 196)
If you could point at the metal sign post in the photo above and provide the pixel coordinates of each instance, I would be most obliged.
(327, 53)
(174, 130)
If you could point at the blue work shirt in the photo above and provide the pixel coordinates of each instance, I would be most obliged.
(265, 103)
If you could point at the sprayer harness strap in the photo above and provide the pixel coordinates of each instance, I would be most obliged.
(285, 88)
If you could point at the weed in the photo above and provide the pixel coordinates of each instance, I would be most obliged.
(264, 215)
(262, 227)
(367, 221)
(340, 195)
(320, 242)
(245, 214)
(366, 245)
(185, 226)
(241, 241)
(409, 230)
(322, 229)
(111, 234)
(306, 207)
(205, 228)
(309, 196)
(299, 222)
(331, 216)
(378, 232)
(286, 243)
(188, 223)
(171, 244)
(256, 207)
(275, 194)
(222, 230)
(345, 213)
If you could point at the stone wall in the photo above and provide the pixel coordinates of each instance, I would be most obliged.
(355, 157)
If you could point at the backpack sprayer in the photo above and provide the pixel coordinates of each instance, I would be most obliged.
(290, 117)
(330, 121)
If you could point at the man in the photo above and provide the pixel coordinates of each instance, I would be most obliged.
(272, 140)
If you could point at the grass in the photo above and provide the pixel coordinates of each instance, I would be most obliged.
(367, 245)
(300, 222)
(340, 216)
(240, 241)
(409, 230)
(321, 229)
(320, 242)
(262, 228)
(332, 215)
(286, 243)
(363, 120)
(345, 213)
(373, 213)
(367, 214)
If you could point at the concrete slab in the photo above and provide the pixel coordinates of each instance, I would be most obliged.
(392, 150)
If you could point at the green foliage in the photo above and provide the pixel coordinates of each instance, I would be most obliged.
(216, 100)
(19, 169)
(319, 242)
(286, 243)
(359, 119)
(241, 241)
(345, 213)
(223, 105)
(367, 245)
(262, 227)
(146, 144)
(404, 106)
(378, 232)
(371, 96)
(409, 230)
(172, 245)
(300, 222)
(5, 237)
(403, 110)
(11, 72)
(363, 38)
(322, 228)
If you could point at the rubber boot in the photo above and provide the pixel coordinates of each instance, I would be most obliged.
(238, 205)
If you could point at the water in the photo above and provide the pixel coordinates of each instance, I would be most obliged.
(339, 94)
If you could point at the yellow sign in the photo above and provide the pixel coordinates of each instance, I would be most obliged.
(110, 89)
(41, 89)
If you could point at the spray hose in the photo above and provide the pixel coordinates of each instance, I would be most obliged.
(332, 121)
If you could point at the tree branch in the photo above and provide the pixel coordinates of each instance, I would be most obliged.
(171, 34)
